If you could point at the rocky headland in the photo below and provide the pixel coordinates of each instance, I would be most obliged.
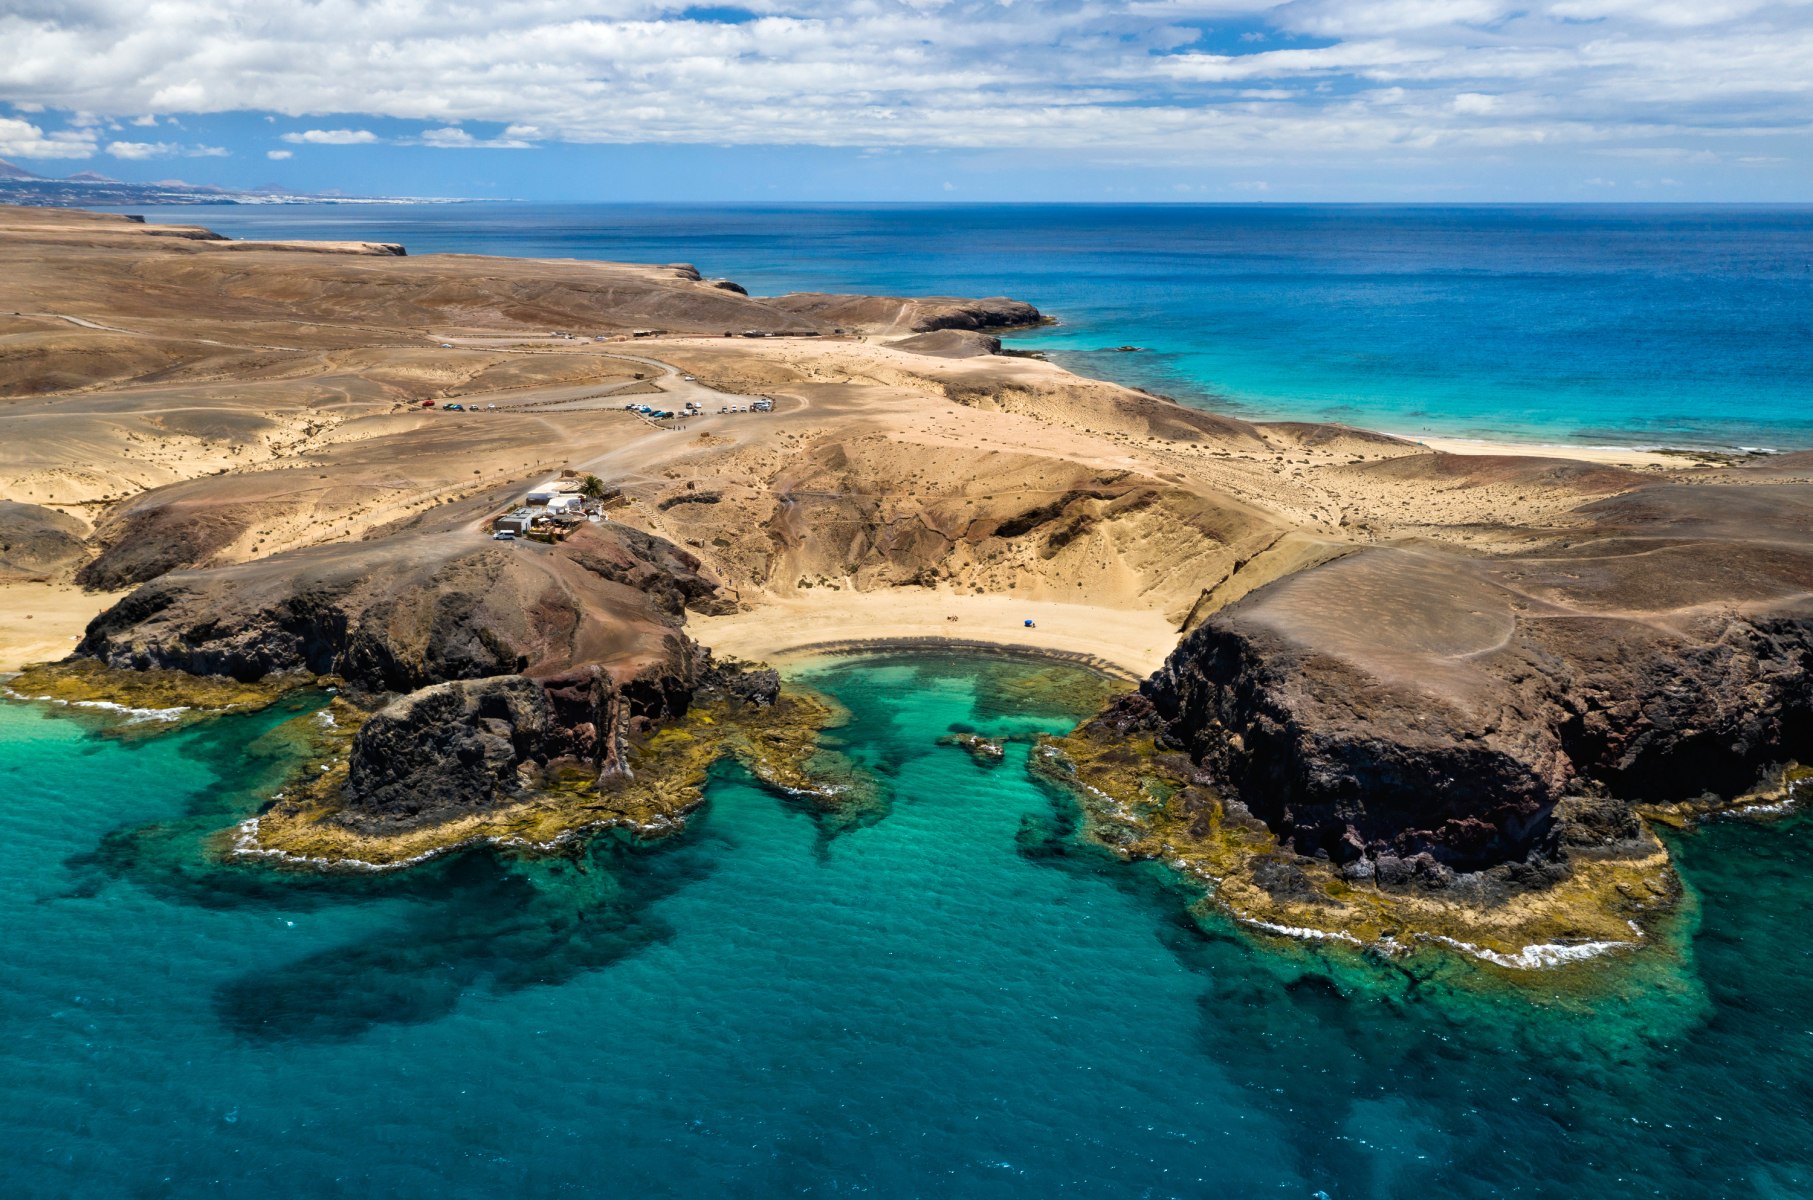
(1406, 743)
(476, 680)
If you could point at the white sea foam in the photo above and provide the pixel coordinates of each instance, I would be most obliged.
(245, 845)
(1302, 932)
(134, 715)
(1543, 954)
(1787, 803)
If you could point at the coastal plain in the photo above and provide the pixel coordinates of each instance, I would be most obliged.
(1389, 691)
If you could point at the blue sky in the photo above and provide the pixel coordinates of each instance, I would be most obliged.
(1440, 100)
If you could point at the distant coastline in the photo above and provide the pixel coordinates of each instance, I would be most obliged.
(1575, 326)
(89, 190)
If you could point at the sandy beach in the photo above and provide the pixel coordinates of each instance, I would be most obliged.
(1613, 456)
(1127, 643)
(41, 622)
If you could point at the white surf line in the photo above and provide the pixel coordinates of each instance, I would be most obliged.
(136, 714)
(1542, 954)
(1302, 933)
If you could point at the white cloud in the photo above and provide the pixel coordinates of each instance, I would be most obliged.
(22, 139)
(279, 155)
(332, 137)
(452, 137)
(138, 150)
(1116, 77)
(143, 150)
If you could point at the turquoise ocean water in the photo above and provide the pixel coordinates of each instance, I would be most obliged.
(949, 997)
(1598, 324)
(952, 996)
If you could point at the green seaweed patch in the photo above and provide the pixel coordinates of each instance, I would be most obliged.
(665, 782)
(152, 700)
(1062, 689)
(1140, 802)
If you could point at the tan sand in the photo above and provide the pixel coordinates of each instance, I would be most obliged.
(41, 622)
(1130, 643)
(1611, 456)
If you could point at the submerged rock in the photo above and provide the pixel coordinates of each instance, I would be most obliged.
(987, 752)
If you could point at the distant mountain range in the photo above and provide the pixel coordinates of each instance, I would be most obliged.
(89, 188)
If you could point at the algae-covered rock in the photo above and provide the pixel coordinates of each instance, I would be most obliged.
(491, 779)
(84, 681)
(1142, 801)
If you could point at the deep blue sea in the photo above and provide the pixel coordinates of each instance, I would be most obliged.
(1598, 324)
(950, 998)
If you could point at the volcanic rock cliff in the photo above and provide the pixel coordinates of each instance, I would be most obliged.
(1411, 712)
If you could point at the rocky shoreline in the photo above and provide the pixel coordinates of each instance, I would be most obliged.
(1414, 696)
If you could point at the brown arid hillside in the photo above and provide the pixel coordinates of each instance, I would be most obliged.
(1363, 651)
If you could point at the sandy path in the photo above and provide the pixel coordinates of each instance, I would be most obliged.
(1133, 643)
(87, 324)
(41, 622)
